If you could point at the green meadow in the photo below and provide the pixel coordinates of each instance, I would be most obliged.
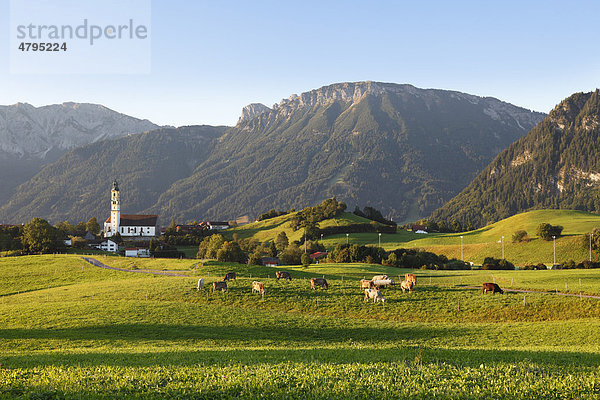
(69, 330)
(487, 241)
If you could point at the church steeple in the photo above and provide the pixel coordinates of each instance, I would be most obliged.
(115, 208)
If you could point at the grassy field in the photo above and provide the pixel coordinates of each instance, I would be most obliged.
(487, 241)
(69, 330)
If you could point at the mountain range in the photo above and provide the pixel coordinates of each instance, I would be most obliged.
(555, 165)
(31, 137)
(401, 149)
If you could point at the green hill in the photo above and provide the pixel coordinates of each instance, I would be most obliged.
(555, 165)
(268, 229)
(486, 241)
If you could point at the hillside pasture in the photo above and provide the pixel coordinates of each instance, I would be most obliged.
(106, 334)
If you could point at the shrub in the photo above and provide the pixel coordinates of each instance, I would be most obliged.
(538, 266)
(519, 236)
(305, 260)
(546, 231)
(491, 263)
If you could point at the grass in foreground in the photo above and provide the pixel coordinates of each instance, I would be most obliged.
(109, 334)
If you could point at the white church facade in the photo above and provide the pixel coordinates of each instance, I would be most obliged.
(127, 225)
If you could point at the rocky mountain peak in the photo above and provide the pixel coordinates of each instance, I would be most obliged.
(28, 131)
(251, 111)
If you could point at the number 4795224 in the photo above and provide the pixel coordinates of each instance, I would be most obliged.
(43, 46)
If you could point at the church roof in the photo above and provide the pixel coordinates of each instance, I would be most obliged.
(137, 220)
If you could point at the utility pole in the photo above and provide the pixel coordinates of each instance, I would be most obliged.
(591, 234)
(554, 242)
(305, 240)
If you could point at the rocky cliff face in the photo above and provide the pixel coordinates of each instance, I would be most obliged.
(251, 111)
(34, 132)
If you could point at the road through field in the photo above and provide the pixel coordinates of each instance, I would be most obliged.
(97, 263)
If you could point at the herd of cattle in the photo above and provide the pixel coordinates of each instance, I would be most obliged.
(371, 287)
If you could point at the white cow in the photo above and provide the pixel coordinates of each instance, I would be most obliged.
(200, 284)
(374, 294)
(379, 278)
(382, 283)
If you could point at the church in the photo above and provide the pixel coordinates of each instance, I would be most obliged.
(127, 225)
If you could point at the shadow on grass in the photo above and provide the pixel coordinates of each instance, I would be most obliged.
(459, 357)
(230, 333)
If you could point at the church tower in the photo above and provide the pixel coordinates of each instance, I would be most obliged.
(115, 208)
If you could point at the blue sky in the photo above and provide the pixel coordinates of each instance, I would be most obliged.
(209, 59)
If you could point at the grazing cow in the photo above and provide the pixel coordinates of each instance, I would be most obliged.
(365, 284)
(229, 276)
(220, 286)
(411, 278)
(379, 278)
(258, 287)
(283, 275)
(382, 283)
(374, 294)
(200, 284)
(406, 285)
(314, 282)
(491, 287)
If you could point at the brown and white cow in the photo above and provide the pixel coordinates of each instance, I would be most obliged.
(200, 285)
(366, 284)
(314, 282)
(382, 283)
(411, 278)
(229, 276)
(374, 294)
(283, 275)
(220, 286)
(491, 287)
(406, 285)
(258, 287)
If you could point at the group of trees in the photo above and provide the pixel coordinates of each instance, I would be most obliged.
(372, 214)
(175, 236)
(491, 263)
(252, 251)
(546, 231)
(406, 258)
(68, 229)
(310, 217)
(273, 213)
(441, 226)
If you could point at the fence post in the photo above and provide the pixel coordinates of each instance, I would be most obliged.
(524, 300)
(511, 281)
(458, 305)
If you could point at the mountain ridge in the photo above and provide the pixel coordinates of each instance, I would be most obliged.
(554, 166)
